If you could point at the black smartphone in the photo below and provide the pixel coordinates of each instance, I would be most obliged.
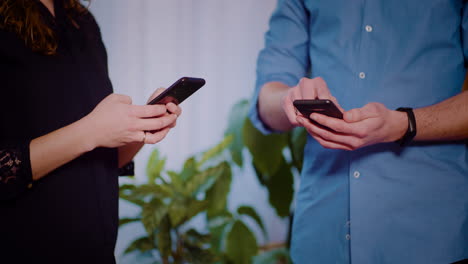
(325, 107)
(179, 91)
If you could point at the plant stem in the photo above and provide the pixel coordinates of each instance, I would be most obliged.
(179, 249)
(271, 246)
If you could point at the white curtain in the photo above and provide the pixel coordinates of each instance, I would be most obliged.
(151, 43)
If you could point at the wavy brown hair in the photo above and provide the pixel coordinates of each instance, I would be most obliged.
(23, 17)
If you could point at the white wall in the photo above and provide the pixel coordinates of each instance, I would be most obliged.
(151, 43)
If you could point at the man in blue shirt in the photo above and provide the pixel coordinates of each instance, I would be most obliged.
(364, 198)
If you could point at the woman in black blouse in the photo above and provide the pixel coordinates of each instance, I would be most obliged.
(63, 135)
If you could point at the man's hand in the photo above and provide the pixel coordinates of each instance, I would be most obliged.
(306, 89)
(371, 124)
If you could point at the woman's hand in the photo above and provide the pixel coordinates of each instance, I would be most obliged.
(116, 122)
(153, 137)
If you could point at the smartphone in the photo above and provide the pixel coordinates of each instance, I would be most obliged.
(324, 107)
(179, 91)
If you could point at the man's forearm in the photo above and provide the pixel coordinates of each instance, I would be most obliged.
(270, 108)
(447, 120)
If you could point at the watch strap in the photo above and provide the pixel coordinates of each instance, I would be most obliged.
(411, 131)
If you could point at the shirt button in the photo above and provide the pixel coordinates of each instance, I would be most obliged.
(362, 75)
(348, 223)
(348, 237)
(30, 186)
(357, 174)
(369, 28)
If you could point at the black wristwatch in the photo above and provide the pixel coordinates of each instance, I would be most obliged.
(411, 131)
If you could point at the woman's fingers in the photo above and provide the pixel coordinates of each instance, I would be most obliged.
(158, 123)
(153, 138)
(120, 98)
(174, 109)
(156, 93)
(146, 111)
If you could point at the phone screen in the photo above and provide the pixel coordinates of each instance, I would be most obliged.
(179, 91)
(324, 107)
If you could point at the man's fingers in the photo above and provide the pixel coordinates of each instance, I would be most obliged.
(289, 108)
(334, 130)
(317, 88)
(330, 144)
(307, 89)
(340, 126)
(335, 124)
(359, 114)
(322, 88)
(324, 137)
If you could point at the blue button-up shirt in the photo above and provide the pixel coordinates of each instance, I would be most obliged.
(383, 203)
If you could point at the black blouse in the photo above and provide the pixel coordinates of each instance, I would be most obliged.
(70, 215)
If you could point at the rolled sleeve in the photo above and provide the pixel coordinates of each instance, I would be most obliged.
(464, 33)
(285, 57)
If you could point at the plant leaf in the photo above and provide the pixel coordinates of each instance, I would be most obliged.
(280, 255)
(197, 255)
(220, 220)
(177, 211)
(237, 118)
(150, 190)
(217, 195)
(204, 180)
(297, 141)
(215, 151)
(219, 227)
(266, 150)
(176, 182)
(155, 166)
(189, 170)
(125, 220)
(126, 193)
(164, 237)
(241, 244)
(261, 178)
(196, 238)
(195, 207)
(281, 189)
(249, 211)
(152, 215)
(142, 244)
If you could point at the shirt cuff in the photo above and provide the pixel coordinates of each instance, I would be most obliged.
(128, 169)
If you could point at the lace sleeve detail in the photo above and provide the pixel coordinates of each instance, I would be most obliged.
(15, 171)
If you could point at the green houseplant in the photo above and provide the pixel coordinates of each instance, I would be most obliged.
(170, 199)
(275, 157)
